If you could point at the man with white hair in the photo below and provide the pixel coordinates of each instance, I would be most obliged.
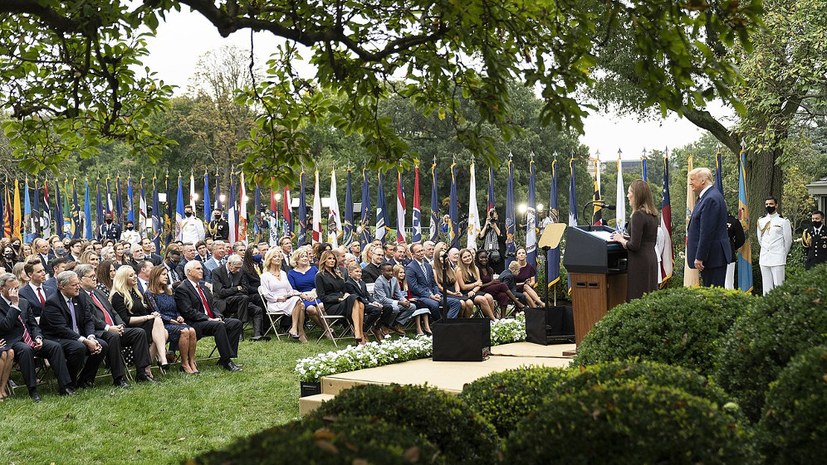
(66, 321)
(708, 249)
(196, 304)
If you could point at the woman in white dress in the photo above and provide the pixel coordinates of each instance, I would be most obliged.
(280, 296)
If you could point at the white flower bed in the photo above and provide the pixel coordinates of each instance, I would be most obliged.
(374, 354)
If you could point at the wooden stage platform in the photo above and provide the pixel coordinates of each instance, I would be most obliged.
(448, 376)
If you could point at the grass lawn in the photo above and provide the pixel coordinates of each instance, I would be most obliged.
(162, 423)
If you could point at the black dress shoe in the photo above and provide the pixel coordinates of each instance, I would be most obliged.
(121, 383)
(230, 366)
(34, 395)
(67, 391)
(145, 379)
(85, 384)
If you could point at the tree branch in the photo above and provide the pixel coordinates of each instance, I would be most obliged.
(703, 119)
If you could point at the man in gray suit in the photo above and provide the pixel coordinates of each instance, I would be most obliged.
(386, 291)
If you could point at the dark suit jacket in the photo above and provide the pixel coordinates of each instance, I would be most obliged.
(56, 322)
(707, 238)
(10, 328)
(154, 258)
(419, 284)
(97, 315)
(27, 293)
(45, 263)
(189, 303)
(225, 285)
(360, 289)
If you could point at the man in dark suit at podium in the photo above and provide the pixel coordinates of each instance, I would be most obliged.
(707, 242)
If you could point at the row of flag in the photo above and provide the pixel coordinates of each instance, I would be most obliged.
(33, 218)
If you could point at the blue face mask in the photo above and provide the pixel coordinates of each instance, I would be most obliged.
(257, 258)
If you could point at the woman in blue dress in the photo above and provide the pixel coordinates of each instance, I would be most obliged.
(302, 278)
(181, 336)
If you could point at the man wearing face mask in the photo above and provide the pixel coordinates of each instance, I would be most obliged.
(109, 229)
(219, 228)
(775, 237)
(192, 228)
(130, 235)
(814, 241)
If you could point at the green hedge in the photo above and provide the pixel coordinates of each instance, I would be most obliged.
(791, 318)
(462, 436)
(793, 428)
(628, 423)
(506, 397)
(314, 440)
(675, 326)
(654, 374)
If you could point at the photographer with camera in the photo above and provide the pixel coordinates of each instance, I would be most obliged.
(493, 241)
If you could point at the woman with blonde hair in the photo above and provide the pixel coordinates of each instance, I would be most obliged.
(279, 296)
(643, 234)
(129, 303)
(450, 288)
(182, 337)
(468, 278)
(302, 278)
(89, 257)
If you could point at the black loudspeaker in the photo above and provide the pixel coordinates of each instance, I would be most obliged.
(461, 340)
(553, 325)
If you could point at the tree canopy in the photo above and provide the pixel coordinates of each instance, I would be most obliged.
(73, 76)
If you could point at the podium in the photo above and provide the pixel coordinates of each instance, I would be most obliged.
(597, 270)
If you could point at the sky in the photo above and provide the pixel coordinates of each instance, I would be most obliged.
(185, 37)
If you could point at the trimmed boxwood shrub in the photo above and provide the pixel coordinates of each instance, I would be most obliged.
(313, 440)
(504, 398)
(628, 423)
(654, 374)
(462, 436)
(674, 326)
(791, 318)
(793, 428)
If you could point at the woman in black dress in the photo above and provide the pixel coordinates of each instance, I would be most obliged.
(129, 303)
(332, 291)
(643, 235)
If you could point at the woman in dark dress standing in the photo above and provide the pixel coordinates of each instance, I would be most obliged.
(643, 234)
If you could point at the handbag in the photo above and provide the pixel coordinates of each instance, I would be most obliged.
(461, 340)
(553, 325)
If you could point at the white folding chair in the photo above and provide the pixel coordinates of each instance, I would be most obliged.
(273, 317)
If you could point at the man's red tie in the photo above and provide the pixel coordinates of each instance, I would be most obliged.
(27, 338)
(106, 316)
(40, 296)
(204, 301)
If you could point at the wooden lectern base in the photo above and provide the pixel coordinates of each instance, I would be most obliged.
(593, 295)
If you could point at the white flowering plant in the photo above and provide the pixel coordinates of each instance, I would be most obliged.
(508, 330)
(391, 350)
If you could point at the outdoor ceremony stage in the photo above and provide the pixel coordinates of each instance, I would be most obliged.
(447, 376)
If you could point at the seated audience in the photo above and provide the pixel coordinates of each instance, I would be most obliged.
(375, 311)
(36, 292)
(230, 294)
(526, 279)
(459, 305)
(105, 273)
(419, 314)
(500, 291)
(468, 278)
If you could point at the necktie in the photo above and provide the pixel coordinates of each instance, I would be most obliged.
(98, 303)
(40, 296)
(71, 306)
(27, 338)
(424, 270)
(204, 302)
